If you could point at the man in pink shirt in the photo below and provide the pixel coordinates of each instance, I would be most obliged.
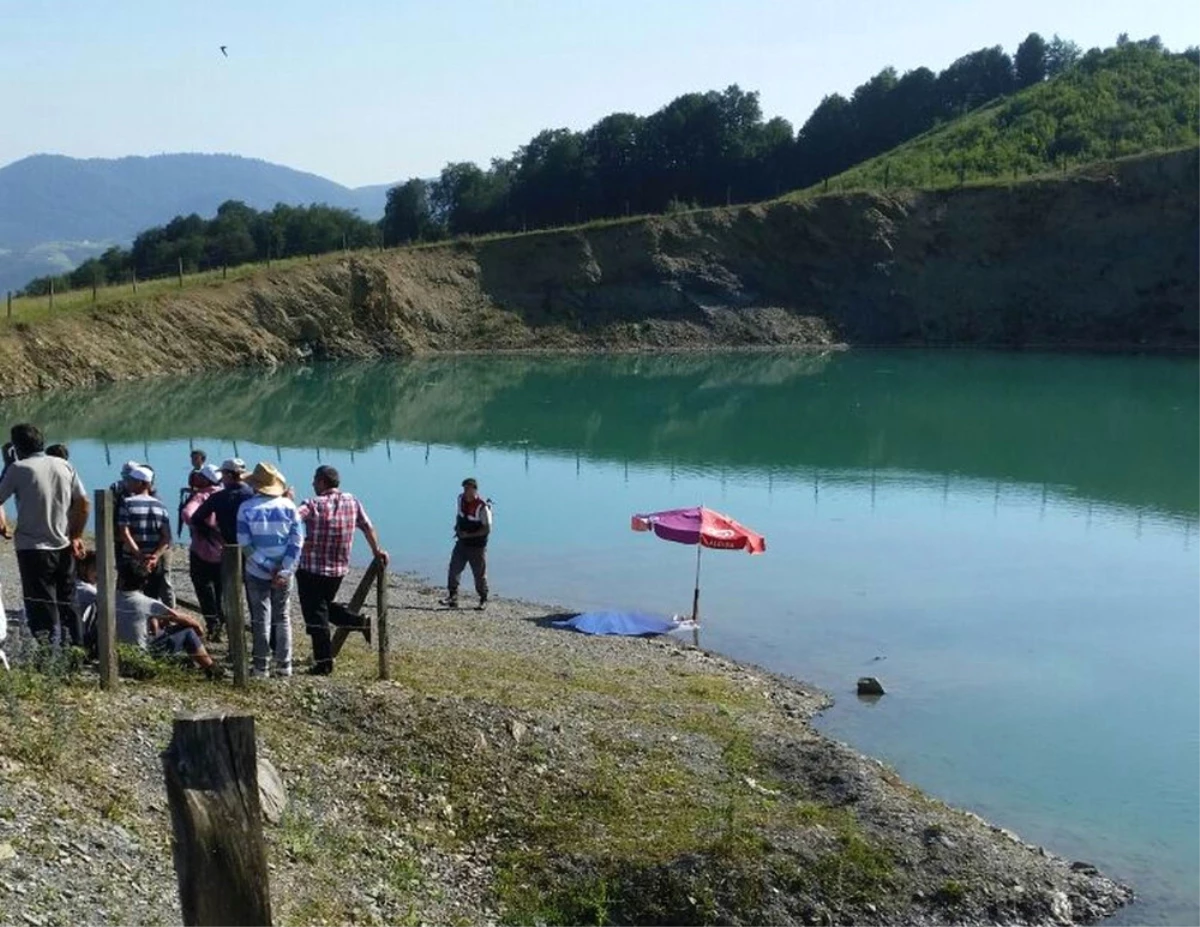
(204, 555)
(330, 520)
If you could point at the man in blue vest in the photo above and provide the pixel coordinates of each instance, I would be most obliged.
(472, 526)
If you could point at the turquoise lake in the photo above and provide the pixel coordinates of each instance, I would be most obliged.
(1008, 541)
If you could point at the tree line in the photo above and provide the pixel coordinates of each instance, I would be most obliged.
(238, 234)
(705, 149)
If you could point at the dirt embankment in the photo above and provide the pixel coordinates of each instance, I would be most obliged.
(1102, 259)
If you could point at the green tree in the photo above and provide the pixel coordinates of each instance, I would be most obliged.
(1061, 54)
(407, 216)
(1030, 61)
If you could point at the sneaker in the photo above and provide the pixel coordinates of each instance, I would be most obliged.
(448, 602)
(482, 606)
(216, 671)
(320, 669)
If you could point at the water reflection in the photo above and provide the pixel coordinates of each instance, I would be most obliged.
(1119, 431)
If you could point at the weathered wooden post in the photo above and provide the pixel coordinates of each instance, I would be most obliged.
(234, 601)
(381, 621)
(106, 591)
(10, 304)
(93, 287)
(134, 272)
(51, 294)
(180, 259)
(211, 773)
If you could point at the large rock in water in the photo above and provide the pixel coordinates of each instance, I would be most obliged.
(869, 685)
(272, 796)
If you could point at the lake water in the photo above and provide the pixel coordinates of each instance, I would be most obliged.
(1009, 541)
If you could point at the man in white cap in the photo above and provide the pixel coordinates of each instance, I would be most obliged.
(145, 528)
(270, 530)
(224, 505)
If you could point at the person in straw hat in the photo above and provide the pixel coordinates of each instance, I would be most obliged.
(270, 530)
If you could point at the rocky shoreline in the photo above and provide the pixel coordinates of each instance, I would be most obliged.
(509, 773)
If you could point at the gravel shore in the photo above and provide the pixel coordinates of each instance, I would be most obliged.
(509, 772)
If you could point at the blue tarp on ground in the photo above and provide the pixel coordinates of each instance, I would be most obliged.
(627, 624)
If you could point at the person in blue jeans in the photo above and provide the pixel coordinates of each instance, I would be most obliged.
(272, 535)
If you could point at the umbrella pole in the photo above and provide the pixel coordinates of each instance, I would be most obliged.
(696, 600)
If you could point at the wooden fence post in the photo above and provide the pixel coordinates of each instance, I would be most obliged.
(51, 294)
(134, 272)
(381, 622)
(234, 599)
(10, 304)
(181, 272)
(211, 773)
(106, 589)
(93, 288)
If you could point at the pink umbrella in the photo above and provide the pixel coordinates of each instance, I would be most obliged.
(704, 528)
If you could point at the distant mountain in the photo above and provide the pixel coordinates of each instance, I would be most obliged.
(56, 211)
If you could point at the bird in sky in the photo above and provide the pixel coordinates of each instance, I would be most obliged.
(223, 52)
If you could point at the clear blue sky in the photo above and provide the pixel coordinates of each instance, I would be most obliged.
(368, 91)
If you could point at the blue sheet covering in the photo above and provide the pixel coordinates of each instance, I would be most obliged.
(626, 624)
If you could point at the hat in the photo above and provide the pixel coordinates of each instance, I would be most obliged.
(234, 465)
(266, 480)
(140, 473)
(127, 467)
(210, 473)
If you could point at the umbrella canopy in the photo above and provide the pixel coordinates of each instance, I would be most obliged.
(700, 526)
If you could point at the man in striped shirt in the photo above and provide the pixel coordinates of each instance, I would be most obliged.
(330, 518)
(270, 530)
(145, 533)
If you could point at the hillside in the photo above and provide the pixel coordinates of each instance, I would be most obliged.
(1102, 259)
(1126, 100)
(56, 211)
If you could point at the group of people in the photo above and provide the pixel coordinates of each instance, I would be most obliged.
(286, 543)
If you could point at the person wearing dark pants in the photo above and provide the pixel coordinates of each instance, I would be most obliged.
(52, 510)
(330, 519)
(472, 527)
(48, 582)
(205, 551)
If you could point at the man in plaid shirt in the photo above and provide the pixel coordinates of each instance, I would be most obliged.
(330, 519)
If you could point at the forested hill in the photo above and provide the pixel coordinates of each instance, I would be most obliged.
(1129, 99)
(707, 149)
